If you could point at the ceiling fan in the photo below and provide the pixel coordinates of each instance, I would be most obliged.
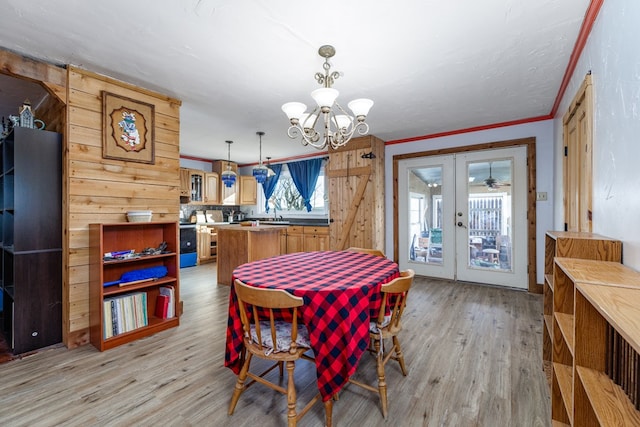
(491, 183)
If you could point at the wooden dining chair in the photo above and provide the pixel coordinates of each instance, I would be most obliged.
(273, 340)
(375, 252)
(388, 325)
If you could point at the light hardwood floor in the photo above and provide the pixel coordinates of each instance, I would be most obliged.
(473, 353)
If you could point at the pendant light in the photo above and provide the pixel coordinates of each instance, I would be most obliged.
(228, 176)
(260, 172)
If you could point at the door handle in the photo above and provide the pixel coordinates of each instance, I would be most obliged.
(460, 224)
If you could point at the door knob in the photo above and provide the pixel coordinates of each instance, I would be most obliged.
(460, 224)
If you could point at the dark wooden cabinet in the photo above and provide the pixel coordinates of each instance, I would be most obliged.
(31, 236)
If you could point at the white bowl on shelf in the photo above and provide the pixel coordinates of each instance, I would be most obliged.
(139, 216)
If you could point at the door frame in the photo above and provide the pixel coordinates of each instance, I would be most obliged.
(531, 194)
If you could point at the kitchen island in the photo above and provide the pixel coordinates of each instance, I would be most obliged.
(238, 244)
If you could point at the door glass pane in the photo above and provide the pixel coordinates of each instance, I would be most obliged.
(425, 214)
(489, 222)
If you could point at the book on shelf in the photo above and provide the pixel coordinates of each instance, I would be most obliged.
(170, 292)
(124, 313)
(162, 306)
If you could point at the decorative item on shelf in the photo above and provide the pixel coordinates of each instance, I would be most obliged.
(24, 119)
(139, 216)
(228, 176)
(338, 127)
(260, 172)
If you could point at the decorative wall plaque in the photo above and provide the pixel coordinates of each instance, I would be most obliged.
(128, 129)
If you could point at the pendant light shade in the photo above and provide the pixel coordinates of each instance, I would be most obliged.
(260, 172)
(228, 177)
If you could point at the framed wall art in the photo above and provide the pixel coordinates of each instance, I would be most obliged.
(128, 129)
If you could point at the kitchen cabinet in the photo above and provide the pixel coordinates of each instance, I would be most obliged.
(207, 243)
(212, 188)
(185, 184)
(306, 239)
(316, 239)
(238, 244)
(31, 239)
(197, 186)
(248, 190)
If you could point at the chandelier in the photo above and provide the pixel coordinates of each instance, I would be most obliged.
(228, 176)
(335, 125)
(260, 172)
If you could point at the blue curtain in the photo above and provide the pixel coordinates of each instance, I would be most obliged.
(305, 175)
(269, 185)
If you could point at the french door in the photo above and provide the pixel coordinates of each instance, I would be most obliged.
(463, 216)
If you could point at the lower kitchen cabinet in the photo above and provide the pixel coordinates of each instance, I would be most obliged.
(307, 239)
(316, 239)
(207, 244)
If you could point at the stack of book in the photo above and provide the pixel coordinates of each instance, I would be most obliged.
(165, 304)
(125, 313)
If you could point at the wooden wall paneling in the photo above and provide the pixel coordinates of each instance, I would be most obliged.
(102, 190)
(356, 194)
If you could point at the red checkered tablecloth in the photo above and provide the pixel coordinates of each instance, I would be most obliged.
(340, 290)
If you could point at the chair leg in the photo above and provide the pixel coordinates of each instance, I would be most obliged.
(382, 383)
(328, 413)
(399, 355)
(242, 376)
(291, 395)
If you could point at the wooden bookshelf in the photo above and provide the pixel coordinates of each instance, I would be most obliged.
(598, 398)
(581, 289)
(138, 236)
(569, 245)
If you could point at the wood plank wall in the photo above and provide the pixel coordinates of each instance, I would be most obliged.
(356, 194)
(98, 190)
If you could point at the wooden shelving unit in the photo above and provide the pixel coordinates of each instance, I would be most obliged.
(570, 245)
(579, 341)
(598, 398)
(125, 236)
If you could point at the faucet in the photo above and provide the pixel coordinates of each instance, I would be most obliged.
(275, 214)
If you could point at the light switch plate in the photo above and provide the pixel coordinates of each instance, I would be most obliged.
(541, 196)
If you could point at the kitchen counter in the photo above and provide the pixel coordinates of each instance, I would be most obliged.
(293, 221)
(238, 244)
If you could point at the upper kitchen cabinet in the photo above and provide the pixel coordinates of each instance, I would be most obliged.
(211, 188)
(356, 194)
(248, 190)
(185, 185)
(197, 186)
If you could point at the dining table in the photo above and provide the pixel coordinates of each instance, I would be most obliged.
(341, 293)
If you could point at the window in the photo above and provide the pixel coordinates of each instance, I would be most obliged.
(287, 200)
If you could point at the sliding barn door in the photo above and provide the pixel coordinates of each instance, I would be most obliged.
(356, 194)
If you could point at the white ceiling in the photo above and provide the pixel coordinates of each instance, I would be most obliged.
(430, 65)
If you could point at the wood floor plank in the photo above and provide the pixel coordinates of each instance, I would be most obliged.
(473, 353)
